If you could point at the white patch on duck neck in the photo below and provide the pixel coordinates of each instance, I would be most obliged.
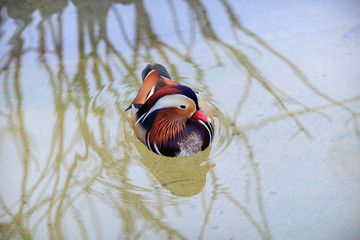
(190, 145)
(173, 100)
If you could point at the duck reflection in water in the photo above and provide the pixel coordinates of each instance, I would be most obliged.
(169, 118)
(183, 177)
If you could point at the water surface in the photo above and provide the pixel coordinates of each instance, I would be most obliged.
(282, 81)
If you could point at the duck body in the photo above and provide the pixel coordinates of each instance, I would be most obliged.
(169, 118)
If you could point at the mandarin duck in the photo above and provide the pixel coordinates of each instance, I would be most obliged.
(169, 118)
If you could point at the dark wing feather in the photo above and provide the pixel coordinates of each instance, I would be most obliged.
(157, 67)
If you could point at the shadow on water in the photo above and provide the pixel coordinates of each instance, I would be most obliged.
(93, 151)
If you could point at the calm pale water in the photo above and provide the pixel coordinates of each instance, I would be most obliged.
(283, 82)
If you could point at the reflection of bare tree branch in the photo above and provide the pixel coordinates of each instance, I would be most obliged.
(237, 25)
(18, 129)
(274, 119)
(181, 38)
(210, 35)
(208, 210)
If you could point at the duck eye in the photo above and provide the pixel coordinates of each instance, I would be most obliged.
(182, 106)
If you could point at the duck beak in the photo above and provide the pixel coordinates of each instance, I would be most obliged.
(201, 116)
